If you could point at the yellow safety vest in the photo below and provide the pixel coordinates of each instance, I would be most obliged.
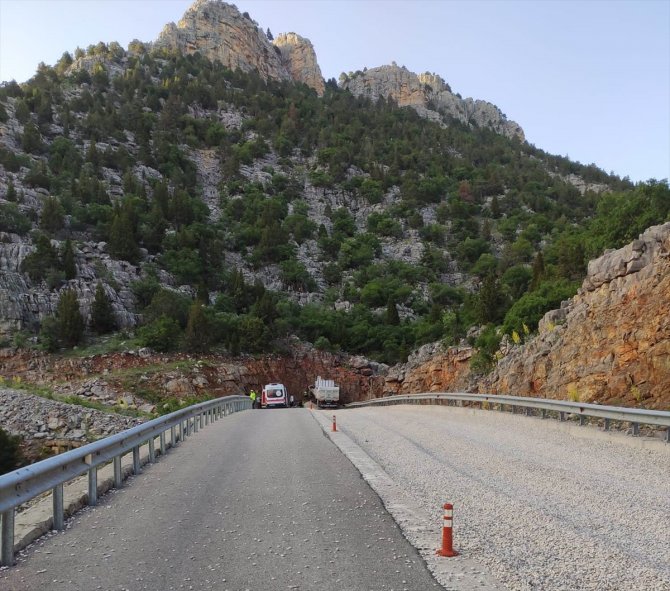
(252, 395)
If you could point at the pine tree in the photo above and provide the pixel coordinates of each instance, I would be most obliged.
(122, 243)
(202, 295)
(103, 319)
(39, 262)
(392, 316)
(495, 207)
(69, 265)
(538, 272)
(69, 318)
(198, 338)
(490, 302)
(52, 217)
(11, 191)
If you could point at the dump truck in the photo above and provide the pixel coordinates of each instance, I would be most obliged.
(327, 394)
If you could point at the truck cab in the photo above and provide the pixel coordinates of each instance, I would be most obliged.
(274, 395)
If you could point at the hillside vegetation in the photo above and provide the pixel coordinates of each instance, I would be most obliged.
(254, 209)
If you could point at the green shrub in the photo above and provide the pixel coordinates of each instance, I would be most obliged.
(170, 304)
(13, 220)
(323, 344)
(530, 308)
(163, 334)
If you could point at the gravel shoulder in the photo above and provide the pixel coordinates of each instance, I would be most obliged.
(540, 504)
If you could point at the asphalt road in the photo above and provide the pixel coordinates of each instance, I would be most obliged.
(260, 500)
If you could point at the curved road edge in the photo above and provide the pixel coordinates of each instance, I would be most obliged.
(456, 574)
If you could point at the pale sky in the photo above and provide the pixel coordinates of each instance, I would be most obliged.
(585, 79)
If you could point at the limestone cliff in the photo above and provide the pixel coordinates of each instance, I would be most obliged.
(299, 58)
(431, 96)
(220, 32)
(611, 342)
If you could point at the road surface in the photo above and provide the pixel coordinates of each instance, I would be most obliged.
(260, 500)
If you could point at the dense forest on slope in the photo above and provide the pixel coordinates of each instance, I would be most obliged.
(327, 196)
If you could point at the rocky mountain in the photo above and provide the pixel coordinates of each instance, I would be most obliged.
(221, 33)
(430, 96)
(193, 198)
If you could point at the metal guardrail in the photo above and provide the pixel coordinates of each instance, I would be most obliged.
(24, 484)
(563, 408)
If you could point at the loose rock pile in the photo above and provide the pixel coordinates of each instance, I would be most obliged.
(97, 390)
(36, 418)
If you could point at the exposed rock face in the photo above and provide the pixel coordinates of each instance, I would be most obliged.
(24, 304)
(102, 378)
(299, 57)
(431, 369)
(220, 32)
(611, 342)
(430, 96)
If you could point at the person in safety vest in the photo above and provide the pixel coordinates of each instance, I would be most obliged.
(252, 395)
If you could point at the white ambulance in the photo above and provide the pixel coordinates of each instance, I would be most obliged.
(274, 395)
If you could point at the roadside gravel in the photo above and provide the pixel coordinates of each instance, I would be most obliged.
(543, 505)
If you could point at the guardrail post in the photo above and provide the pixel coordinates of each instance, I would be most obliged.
(152, 451)
(57, 499)
(636, 429)
(544, 413)
(7, 538)
(173, 436)
(118, 475)
(607, 424)
(196, 420)
(667, 435)
(136, 460)
(561, 416)
(93, 486)
(162, 442)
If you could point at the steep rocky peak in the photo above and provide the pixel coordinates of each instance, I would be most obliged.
(220, 32)
(299, 58)
(431, 96)
(436, 83)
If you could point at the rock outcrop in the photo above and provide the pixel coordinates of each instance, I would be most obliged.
(610, 343)
(299, 58)
(430, 96)
(431, 369)
(23, 304)
(221, 33)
